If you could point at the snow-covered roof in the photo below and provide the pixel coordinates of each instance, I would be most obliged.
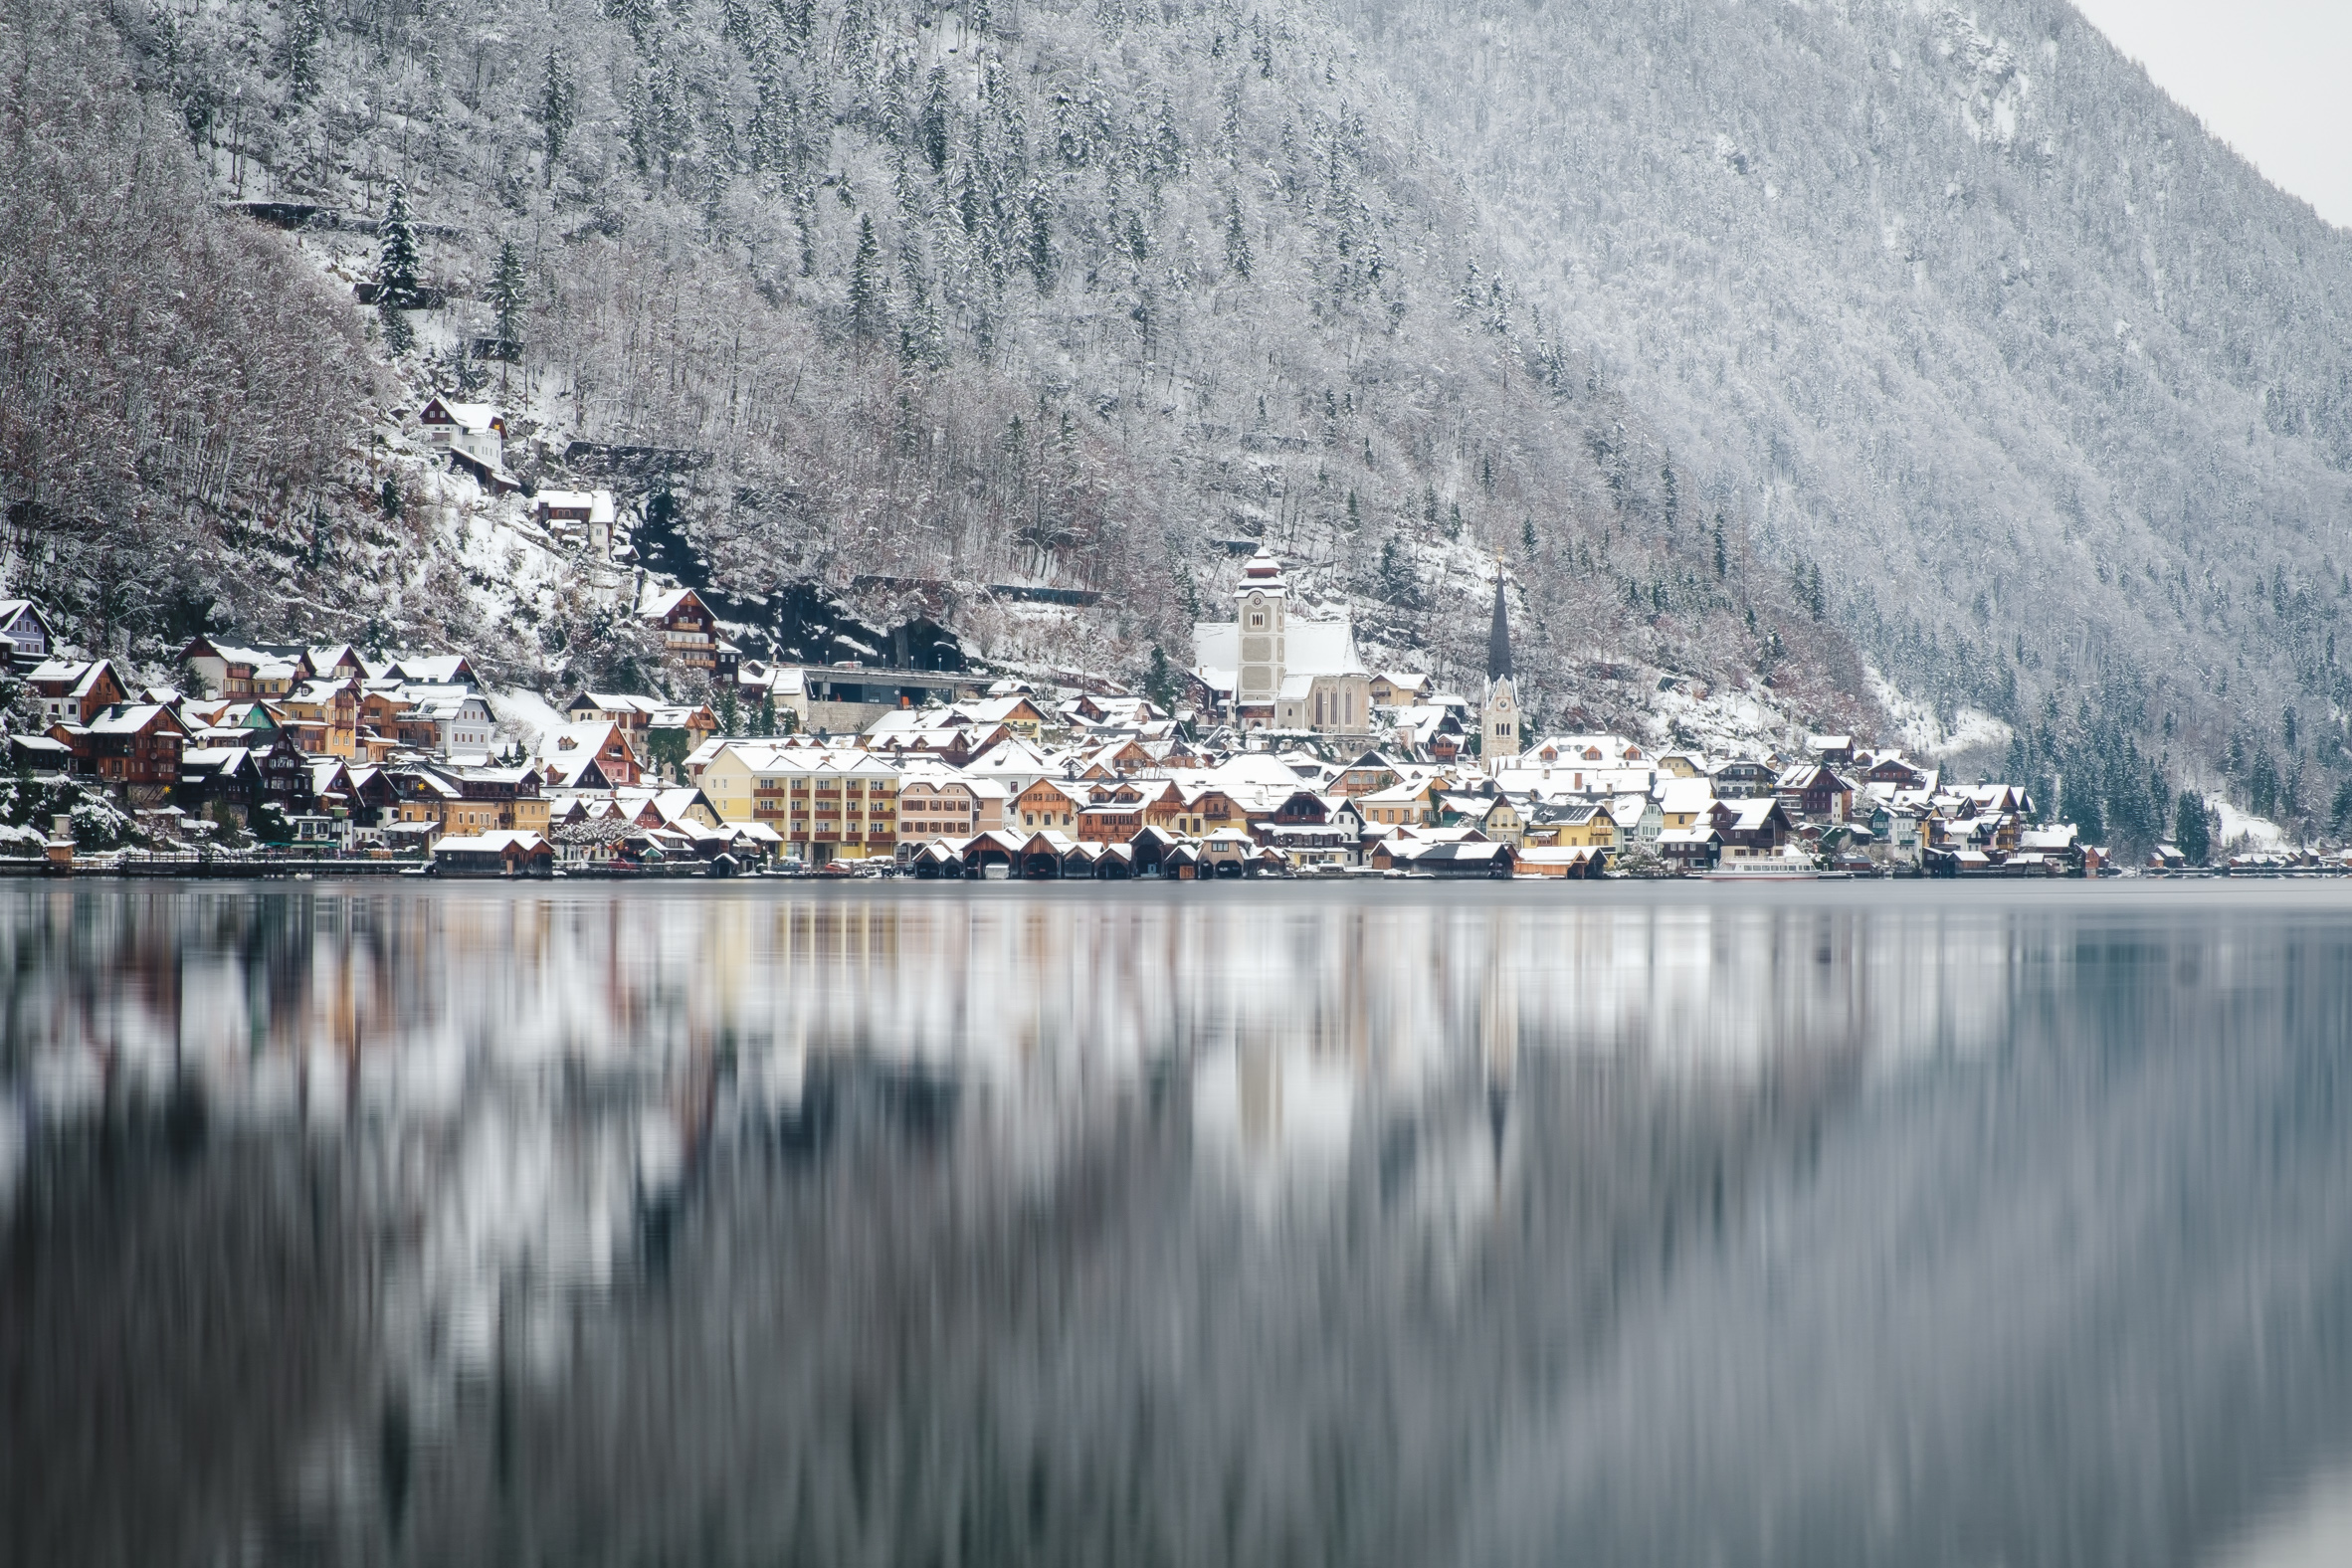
(661, 602)
(495, 841)
(78, 674)
(595, 505)
(128, 721)
(465, 416)
(1685, 794)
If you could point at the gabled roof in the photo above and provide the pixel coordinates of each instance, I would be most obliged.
(14, 610)
(465, 416)
(429, 668)
(78, 676)
(130, 720)
(662, 602)
(496, 842)
(598, 504)
(1685, 794)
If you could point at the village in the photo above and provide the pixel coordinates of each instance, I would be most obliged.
(1279, 751)
(1288, 756)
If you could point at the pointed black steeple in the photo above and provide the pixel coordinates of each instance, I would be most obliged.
(1498, 637)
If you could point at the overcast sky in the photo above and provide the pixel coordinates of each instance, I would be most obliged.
(2271, 77)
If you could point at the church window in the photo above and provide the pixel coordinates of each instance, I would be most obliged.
(1256, 618)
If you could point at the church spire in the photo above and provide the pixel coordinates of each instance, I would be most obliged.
(1499, 637)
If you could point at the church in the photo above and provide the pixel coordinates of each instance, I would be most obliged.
(1498, 716)
(1271, 670)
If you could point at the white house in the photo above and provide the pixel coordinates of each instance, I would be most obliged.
(476, 429)
(583, 514)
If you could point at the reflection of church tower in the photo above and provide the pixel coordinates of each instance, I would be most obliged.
(1498, 719)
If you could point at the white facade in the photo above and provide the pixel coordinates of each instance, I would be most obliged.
(1271, 671)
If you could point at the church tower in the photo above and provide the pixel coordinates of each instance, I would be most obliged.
(1263, 598)
(1498, 717)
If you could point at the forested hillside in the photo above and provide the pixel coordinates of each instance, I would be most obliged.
(1064, 296)
(2056, 389)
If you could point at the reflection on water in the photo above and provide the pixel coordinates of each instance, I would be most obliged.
(1271, 1225)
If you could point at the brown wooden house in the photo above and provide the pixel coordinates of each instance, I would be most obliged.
(137, 747)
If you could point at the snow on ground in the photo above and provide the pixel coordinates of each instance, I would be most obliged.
(527, 711)
(1924, 734)
(1719, 720)
(508, 560)
(2243, 830)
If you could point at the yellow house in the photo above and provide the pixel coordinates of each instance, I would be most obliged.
(1410, 804)
(1686, 802)
(334, 708)
(826, 803)
(1584, 826)
(474, 800)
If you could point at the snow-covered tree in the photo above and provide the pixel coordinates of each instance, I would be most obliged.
(397, 261)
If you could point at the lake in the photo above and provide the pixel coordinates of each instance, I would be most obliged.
(1267, 1223)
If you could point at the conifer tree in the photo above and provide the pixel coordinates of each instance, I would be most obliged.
(1237, 239)
(2261, 784)
(396, 272)
(2190, 830)
(931, 126)
(507, 301)
(557, 109)
(869, 313)
(1038, 245)
(2079, 802)
(306, 34)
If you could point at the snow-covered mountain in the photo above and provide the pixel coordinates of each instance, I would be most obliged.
(1760, 341)
(1954, 302)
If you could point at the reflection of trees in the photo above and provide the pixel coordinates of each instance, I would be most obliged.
(2090, 1300)
(179, 1310)
(843, 1230)
(859, 1341)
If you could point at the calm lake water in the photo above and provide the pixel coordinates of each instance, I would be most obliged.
(1227, 1225)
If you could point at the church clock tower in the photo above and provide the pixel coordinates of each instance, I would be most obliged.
(1498, 717)
(1262, 599)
